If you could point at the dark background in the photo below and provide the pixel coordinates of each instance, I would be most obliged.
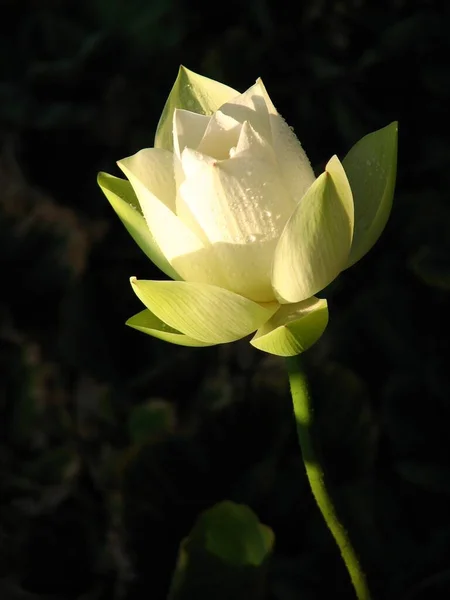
(111, 442)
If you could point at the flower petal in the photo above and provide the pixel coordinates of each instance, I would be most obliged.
(188, 129)
(191, 92)
(221, 134)
(293, 328)
(149, 323)
(371, 167)
(314, 247)
(250, 106)
(188, 255)
(122, 198)
(151, 169)
(252, 145)
(241, 206)
(203, 312)
(294, 164)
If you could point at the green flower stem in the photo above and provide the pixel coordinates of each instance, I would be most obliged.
(303, 411)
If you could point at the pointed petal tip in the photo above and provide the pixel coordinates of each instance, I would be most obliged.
(372, 188)
(105, 180)
(394, 127)
(184, 70)
(334, 166)
(315, 244)
(333, 160)
(122, 164)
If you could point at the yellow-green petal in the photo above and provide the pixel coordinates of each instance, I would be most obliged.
(315, 244)
(201, 311)
(122, 198)
(192, 92)
(371, 167)
(293, 328)
(149, 323)
(150, 174)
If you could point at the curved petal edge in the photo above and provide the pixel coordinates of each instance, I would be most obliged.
(371, 167)
(149, 323)
(204, 312)
(192, 92)
(293, 328)
(122, 198)
(315, 244)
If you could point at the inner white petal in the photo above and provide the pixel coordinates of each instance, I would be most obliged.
(241, 206)
(188, 129)
(220, 136)
(152, 169)
(250, 106)
(254, 146)
(294, 164)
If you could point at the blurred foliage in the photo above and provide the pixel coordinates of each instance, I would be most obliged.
(225, 556)
(111, 443)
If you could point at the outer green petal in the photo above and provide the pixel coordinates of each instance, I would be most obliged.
(203, 312)
(315, 244)
(123, 200)
(293, 328)
(192, 92)
(371, 167)
(147, 322)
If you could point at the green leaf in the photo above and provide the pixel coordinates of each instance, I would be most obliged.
(203, 312)
(371, 167)
(149, 323)
(315, 244)
(192, 92)
(225, 556)
(122, 198)
(293, 328)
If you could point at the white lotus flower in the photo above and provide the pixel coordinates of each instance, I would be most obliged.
(227, 205)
